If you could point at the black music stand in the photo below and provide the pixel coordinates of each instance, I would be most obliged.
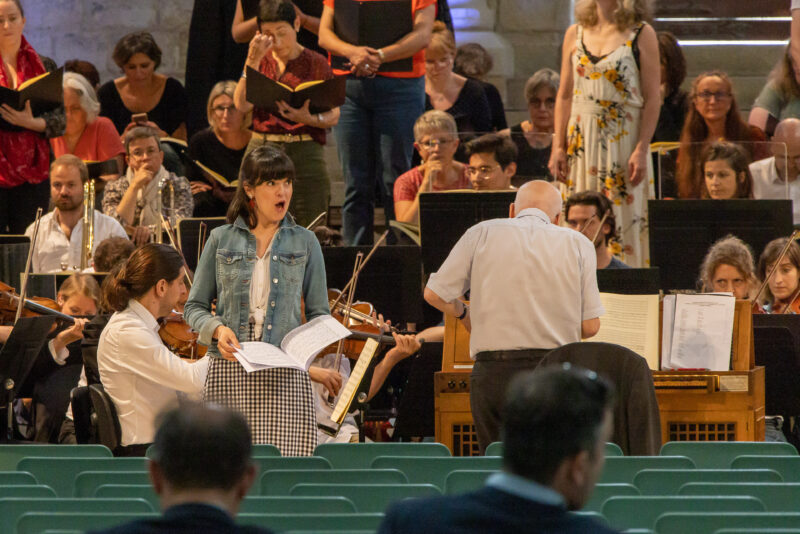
(16, 360)
(189, 233)
(629, 281)
(777, 347)
(415, 411)
(682, 231)
(13, 255)
(47, 284)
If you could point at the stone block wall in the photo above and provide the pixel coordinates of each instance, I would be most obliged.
(89, 29)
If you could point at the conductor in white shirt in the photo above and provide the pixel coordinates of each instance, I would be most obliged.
(532, 287)
(776, 177)
(58, 245)
(138, 372)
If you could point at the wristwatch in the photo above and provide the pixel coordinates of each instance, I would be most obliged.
(463, 313)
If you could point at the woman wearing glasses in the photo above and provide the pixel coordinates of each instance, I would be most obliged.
(436, 140)
(220, 147)
(713, 116)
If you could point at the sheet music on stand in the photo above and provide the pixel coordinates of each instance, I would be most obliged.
(331, 425)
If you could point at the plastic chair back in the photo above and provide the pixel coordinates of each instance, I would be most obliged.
(623, 469)
(281, 481)
(776, 496)
(642, 511)
(669, 482)
(426, 470)
(720, 454)
(361, 455)
(368, 498)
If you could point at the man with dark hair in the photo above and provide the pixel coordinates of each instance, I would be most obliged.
(201, 469)
(555, 424)
(492, 162)
(590, 213)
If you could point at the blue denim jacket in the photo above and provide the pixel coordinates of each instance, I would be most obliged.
(297, 271)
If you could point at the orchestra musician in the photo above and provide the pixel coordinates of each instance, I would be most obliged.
(729, 268)
(59, 243)
(590, 213)
(138, 372)
(533, 287)
(261, 268)
(781, 290)
(492, 162)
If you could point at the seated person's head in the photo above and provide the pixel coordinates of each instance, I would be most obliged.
(538, 194)
(785, 147)
(584, 211)
(81, 106)
(540, 94)
(783, 282)
(556, 422)
(202, 453)
(79, 295)
(222, 115)
(278, 20)
(728, 268)
(143, 149)
(440, 52)
(673, 63)
(67, 176)
(436, 136)
(110, 252)
(137, 52)
(472, 60)
(85, 69)
(726, 169)
(492, 162)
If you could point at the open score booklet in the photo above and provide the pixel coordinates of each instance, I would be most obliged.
(298, 348)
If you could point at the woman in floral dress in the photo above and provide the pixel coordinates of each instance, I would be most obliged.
(606, 111)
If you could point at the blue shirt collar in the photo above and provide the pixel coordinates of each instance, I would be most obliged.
(525, 488)
(533, 212)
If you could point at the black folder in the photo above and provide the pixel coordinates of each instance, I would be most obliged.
(324, 95)
(45, 93)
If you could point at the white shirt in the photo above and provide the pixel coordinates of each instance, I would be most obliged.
(531, 282)
(259, 292)
(140, 374)
(795, 4)
(54, 249)
(767, 184)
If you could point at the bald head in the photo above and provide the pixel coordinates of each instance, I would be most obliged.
(539, 194)
(788, 131)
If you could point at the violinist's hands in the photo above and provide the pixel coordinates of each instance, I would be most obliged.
(301, 115)
(71, 334)
(330, 379)
(379, 323)
(405, 346)
(259, 46)
(200, 187)
(558, 164)
(227, 343)
(637, 166)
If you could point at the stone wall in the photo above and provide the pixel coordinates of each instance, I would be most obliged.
(89, 29)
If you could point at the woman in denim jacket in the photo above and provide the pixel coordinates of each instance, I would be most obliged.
(259, 268)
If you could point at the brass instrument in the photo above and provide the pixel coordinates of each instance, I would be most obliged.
(159, 230)
(87, 237)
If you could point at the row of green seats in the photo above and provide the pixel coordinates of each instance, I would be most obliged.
(713, 522)
(720, 454)
(496, 449)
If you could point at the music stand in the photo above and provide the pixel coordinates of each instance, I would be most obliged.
(16, 360)
(415, 411)
(629, 281)
(13, 255)
(777, 347)
(682, 231)
(189, 234)
(47, 284)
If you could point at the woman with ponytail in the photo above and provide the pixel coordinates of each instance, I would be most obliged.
(259, 268)
(138, 372)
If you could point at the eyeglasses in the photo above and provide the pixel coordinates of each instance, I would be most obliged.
(139, 154)
(220, 110)
(706, 96)
(548, 103)
(484, 170)
(434, 143)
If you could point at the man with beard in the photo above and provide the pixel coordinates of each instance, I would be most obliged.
(58, 245)
(590, 213)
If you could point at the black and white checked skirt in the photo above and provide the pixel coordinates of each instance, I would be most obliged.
(277, 403)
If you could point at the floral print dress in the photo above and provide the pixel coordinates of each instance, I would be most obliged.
(602, 133)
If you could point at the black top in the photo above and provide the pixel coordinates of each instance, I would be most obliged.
(195, 518)
(495, 106)
(671, 117)
(470, 110)
(169, 113)
(486, 511)
(205, 147)
(531, 162)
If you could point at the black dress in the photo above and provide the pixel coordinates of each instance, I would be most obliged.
(495, 106)
(531, 162)
(668, 129)
(205, 147)
(169, 113)
(471, 113)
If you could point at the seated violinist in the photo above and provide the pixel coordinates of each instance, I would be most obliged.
(492, 162)
(590, 213)
(58, 245)
(729, 268)
(781, 291)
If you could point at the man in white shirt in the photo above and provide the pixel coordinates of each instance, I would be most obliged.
(138, 372)
(533, 288)
(770, 176)
(58, 245)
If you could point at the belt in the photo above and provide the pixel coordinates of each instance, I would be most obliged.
(509, 355)
(282, 138)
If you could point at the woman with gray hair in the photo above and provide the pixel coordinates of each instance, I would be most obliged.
(534, 137)
(87, 135)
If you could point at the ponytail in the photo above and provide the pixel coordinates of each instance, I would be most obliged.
(144, 269)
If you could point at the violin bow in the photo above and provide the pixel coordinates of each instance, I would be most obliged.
(775, 265)
(351, 291)
(201, 240)
(600, 226)
(174, 242)
(316, 221)
(24, 289)
(378, 243)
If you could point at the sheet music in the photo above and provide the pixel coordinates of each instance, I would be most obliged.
(349, 390)
(304, 342)
(257, 355)
(631, 321)
(703, 332)
(667, 326)
(250, 367)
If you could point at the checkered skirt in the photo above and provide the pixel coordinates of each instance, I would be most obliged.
(277, 403)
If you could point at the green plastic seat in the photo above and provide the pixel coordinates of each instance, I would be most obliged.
(711, 522)
(369, 498)
(286, 504)
(462, 481)
(330, 522)
(669, 482)
(60, 473)
(642, 511)
(758, 531)
(427, 470)
(612, 449)
(787, 466)
(361, 455)
(623, 469)
(777, 497)
(720, 454)
(38, 491)
(128, 491)
(12, 508)
(10, 455)
(259, 450)
(496, 449)
(602, 492)
(17, 478)
(87, 482)
(267, 463)
(281, 481)
(40, 522)
(597, 516)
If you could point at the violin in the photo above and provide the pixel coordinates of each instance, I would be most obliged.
(33, 307)
(179, 337)
(359, 322)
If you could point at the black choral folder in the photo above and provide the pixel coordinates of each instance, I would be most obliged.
(324, 95)
(45, 93)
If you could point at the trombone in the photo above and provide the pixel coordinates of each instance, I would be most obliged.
(165, 182)
(87, 237)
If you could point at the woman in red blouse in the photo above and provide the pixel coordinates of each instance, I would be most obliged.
(275, 52)
(24, 150)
